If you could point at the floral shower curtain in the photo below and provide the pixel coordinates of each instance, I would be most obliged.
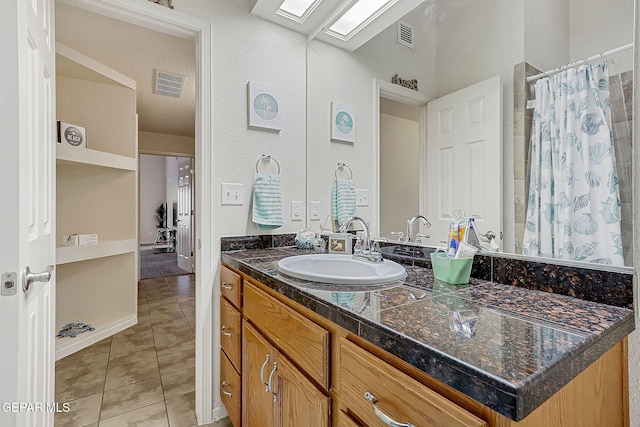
(573, 209)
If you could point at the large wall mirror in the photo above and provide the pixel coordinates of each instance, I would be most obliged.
(457, 45)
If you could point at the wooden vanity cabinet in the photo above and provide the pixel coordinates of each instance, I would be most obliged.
(320, 373)
(277, 392)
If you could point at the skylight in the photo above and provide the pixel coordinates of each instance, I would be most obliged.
(297, 10)
(358, 17)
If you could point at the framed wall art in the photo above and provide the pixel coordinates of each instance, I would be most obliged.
(343, 122)
(264, 106)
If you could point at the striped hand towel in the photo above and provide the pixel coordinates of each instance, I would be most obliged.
(343, 200)
(267, 201)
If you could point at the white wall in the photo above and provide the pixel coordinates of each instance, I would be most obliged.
(598, 26)
(152, 193)
(337, 75)
(248, 48)
(469, 49)
(386, 57)
(399, 172)
(546, 36)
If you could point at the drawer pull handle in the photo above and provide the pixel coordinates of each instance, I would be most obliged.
(270, 385)
(384, 417)
(227, 393)
(264, 365)
(227, 287)
(226, 334)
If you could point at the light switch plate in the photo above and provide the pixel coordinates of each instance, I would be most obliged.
(362, 197)
(314, 211)
(297, 213)
(232, 194)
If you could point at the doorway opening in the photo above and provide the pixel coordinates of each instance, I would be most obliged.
(166, 216)
(197, 32)
(400, 131)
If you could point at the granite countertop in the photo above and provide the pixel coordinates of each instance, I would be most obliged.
(507, 347)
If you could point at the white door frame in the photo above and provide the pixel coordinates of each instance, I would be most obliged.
(384, 89)
(179, 24)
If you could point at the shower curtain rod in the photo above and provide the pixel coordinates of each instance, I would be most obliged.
(580, 62)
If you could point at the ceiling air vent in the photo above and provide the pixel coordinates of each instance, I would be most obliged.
(405, 34)
(169, 84)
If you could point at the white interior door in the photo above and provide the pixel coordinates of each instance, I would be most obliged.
(464, 158)
(27, 224)
(185, 212)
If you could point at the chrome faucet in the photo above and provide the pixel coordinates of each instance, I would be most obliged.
(411, 222)
(365, 252)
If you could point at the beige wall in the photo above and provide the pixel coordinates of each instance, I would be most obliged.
(399, 172)
(169, 145)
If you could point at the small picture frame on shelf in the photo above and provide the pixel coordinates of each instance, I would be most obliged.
(343, 122)
(73, 135)
(264, 106)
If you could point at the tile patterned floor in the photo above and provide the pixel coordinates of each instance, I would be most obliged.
(142, 376)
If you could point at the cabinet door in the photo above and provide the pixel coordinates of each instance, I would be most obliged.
(298, 401)
(257, 364)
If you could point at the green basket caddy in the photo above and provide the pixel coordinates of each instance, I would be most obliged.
(450, 270)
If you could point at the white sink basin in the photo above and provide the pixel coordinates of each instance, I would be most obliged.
(341, 269)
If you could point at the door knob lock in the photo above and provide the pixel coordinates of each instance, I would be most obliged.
(28, 277)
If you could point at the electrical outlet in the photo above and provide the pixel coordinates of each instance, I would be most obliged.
(314, 211)
(296, 211)
(362, 197)
(232, 194)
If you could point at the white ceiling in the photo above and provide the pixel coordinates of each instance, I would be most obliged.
(136, 52)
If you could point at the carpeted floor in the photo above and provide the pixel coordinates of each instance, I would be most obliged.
(158, 265)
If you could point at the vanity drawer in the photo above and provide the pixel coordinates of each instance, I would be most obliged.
(399, 396)
(231, 332)
(230, 384)
(231, 286)
(299, 338)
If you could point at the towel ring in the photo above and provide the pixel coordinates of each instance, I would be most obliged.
(342, 166)
(267, 158)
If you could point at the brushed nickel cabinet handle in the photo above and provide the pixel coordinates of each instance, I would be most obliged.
(226, 334)
(264, 365)
(227, 393)
(384, 417)
(227, 287)
(270, 384)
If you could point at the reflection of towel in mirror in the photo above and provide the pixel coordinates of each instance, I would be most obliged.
(343, 200)
(267, 202)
